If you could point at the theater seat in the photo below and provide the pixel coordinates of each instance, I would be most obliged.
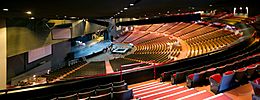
(240, 76)
(256, 87)
(178, 77)
(120, 88)
(219, 84)
(119, 83)
(123, 95)
(86, 94)
(107, 96)
(105, 85)
(251, 71)
(195, 79)
(103, 91)
(69, 97)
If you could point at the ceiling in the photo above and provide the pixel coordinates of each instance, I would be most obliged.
(108, 8)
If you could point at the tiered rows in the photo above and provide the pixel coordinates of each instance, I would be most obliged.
(204, 43)
(159, 50)
(165, 91)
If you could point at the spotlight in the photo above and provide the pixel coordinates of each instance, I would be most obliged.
(121, 11)
(125, 8)
(131, 4)
(28, 12)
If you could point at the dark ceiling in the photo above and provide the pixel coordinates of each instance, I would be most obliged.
(108, 8)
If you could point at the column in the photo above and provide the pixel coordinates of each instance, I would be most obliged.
(3, 49)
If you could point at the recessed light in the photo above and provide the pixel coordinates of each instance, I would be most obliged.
(210, 5)
(121, 11)
(5, 9)
(168, 12)
(118, 13)
(72, 17)
(179, 10)
(131, 4)
(32, 18)
(125, 8)
(28, 12)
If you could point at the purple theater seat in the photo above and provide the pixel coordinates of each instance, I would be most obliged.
(226, 82)
(195, 79)
(123, 95)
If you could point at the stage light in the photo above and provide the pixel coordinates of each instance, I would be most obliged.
(5, 9)
(125, 8)
(28, 12)
(131, 4)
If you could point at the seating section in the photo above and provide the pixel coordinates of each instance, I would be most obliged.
(209, 42)
(116, 63)
(165, 91)
(54, 74)
(90, 69)
(111, 91)
(159, 51)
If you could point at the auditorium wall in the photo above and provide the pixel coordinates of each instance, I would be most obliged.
(24, 35)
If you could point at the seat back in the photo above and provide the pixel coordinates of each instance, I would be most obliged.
(103, 91)
(69, 97)
(107, 96)
(120, 87)
(240, 75)
(86, 94)
(226, 81)
(105, 86)
(123, 95)
(119, 83)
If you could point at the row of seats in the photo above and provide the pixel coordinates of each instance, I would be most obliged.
(180, 76)
(54, 74)
(111, 91)
(233, 78)
(159, 50)
(210, 43)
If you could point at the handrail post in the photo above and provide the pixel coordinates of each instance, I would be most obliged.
(121, 76)
(154, 71)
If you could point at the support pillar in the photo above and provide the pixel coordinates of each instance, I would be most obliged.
(3, 54)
